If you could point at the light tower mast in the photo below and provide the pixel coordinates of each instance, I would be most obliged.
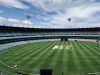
(28, 17)
(69, 20)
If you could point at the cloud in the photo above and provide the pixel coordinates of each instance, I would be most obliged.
(13, 3)
(23, 23)
(82, 12)
(85, 11)
(28, 14)
(27, 22)
(9, 20)
(15, 22)
(2, 19)
(57, 5)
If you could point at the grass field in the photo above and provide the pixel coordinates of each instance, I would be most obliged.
(69, 57)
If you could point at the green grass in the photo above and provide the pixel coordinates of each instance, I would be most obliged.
(82, 58)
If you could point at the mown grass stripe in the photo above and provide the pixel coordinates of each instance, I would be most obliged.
(19, 52)
(55, 58)
(87, 57)
(65, 59)
(29, 53)
(19, 56)
(50, 56)
(81, 58)
(58, 65)
(94, 46)
(71, 65)
(15, 49)
(77, 65)
(37, 65)
(62, 59)
(9, 62)
(34, 56)
(21, 48)
(95, 57)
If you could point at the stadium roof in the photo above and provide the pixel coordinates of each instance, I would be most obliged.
(22, 29)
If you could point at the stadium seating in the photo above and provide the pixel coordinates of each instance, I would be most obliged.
(8, 34)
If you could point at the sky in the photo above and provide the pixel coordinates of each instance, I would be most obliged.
(50, 13)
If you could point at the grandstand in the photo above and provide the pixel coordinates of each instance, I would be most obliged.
(11, 34)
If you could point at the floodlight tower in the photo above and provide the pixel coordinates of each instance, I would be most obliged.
(69, 20)
(28, 17)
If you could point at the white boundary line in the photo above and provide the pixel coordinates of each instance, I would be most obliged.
(6, 64)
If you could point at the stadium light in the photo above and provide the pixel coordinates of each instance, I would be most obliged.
(69, 20)
(28, 17)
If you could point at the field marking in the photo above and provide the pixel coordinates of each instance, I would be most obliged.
(6, 64)
(68, 47)
(55, 47)
(60, 47)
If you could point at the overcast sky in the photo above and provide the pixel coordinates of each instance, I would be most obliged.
(50, 13)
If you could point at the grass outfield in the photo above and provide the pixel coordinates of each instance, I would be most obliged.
(80, 58)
